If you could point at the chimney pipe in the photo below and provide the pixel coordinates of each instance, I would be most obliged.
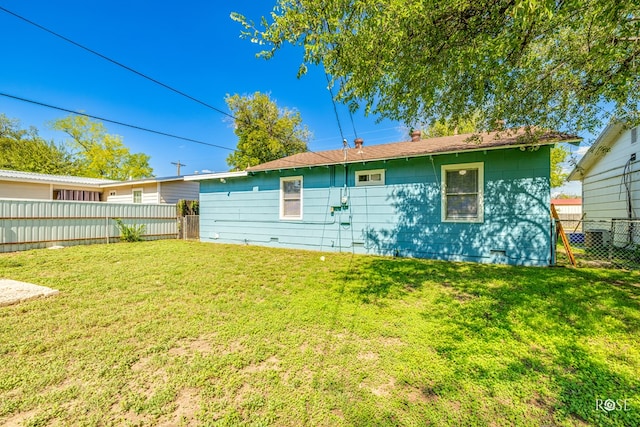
(358, 142)
(416, 136)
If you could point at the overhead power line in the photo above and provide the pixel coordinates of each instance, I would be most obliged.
(42, 104)
(119, 64)
(116, 122)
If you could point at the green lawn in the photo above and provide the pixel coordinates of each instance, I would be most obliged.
(187, 333)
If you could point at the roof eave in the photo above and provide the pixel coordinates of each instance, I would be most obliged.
(435, 153)
(605, 138)
(219, 175)
(51, 182)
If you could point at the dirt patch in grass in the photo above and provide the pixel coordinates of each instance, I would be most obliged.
(391, 341)
(201, 345)
(18, 420)
(187, 406)
(368, 356)
(272, 363)
(383, 388)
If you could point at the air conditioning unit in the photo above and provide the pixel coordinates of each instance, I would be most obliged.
(597, 238)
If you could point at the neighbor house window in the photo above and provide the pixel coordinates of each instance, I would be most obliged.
(291, 197)
(112, 193)
(634, 135)
(462, 192)
(137, 196)
(373, 177)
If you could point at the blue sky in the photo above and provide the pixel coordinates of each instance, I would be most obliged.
(194, 47)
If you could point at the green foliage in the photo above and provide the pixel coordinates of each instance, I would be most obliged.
(265, 132)
(558, 156)
(25, 150)
(548, 63)
(188, 207)
(102, 155)
(130, 233)
(444, 127)
(568, 196)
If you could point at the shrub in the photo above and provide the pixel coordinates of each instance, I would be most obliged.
(130, 233)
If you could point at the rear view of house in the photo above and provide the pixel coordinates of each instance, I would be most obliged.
(452, 198)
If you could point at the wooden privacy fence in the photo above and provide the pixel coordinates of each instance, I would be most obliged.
(32, 224)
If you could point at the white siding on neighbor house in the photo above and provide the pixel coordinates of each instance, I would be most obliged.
(124, 194)
(569, 209)
(171, 192)
(24, 190)
(603, 192)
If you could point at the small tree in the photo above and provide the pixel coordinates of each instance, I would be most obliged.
(100, 154)
(265, 132)
(25, 150)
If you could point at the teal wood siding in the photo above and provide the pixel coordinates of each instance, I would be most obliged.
(400, 218)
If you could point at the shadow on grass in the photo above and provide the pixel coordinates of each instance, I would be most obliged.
(562, 321)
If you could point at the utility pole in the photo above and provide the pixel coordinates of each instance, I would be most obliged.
(178, 166)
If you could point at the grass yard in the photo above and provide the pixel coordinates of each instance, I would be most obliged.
(187, 333)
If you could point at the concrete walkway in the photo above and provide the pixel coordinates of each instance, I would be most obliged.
(13, 292)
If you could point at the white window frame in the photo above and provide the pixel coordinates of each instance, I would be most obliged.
(282, 181)
(369, 182)
(479, 166)
(133, 195)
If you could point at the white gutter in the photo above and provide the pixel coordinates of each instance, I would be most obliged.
(219, 175)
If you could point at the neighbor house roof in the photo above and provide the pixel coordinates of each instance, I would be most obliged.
(43, 178)
(423, 147)
(144, 181)
(567, 202)
(602, 144)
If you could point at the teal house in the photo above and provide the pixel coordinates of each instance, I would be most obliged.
(482, 198)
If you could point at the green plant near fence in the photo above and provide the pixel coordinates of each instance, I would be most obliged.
(188, 207)
(130, 233)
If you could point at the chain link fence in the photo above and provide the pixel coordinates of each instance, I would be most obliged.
(603, 244)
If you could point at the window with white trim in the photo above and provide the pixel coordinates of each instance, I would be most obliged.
(462, 192)
(137, 196)
(291, 197)
(372, 177)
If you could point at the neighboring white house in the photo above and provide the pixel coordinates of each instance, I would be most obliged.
(610, 175)
(568, 206)
(37, 186)
(151, 190)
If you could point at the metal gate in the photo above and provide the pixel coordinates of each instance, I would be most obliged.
(190, 227)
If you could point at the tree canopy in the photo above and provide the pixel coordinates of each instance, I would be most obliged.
(24, 150)
(102, 155)
(265, 132)
(551, 63)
